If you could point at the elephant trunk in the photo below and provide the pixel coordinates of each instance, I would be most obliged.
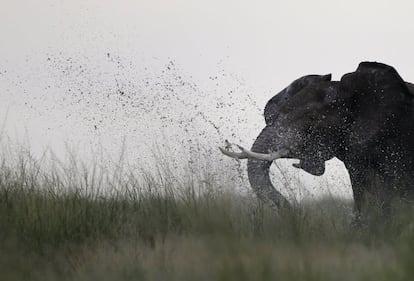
(258, 171)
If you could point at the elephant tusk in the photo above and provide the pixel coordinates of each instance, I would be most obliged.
(247, 154)
(267, 157)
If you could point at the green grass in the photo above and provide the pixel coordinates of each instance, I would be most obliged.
(58, 224)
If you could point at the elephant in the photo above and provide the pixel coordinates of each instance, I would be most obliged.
(366, 120)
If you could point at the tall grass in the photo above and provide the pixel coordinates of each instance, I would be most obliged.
(78, 222)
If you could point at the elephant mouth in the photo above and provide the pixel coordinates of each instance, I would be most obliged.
(313, 167)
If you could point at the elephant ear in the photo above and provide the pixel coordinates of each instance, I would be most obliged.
(272, 109)
(379, 99)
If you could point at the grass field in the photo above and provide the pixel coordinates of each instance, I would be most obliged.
(62, 226)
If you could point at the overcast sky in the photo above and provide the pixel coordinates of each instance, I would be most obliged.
(269, 42)
(255, 47)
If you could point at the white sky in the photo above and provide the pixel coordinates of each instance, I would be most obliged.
(261, 45)
(270, 42)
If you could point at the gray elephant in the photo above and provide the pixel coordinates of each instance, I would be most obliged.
(366, 120)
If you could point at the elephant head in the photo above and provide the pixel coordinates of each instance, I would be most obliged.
(275, 107)
(299, 121)
(315, 119)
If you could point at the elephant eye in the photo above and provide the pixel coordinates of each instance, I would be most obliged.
(312, 116)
